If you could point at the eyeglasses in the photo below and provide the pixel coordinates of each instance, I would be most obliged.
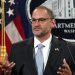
(40, 20)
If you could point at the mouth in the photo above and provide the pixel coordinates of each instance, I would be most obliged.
(37, 29)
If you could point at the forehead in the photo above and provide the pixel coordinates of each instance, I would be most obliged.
(40, 13)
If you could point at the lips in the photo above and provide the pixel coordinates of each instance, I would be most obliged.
(36, 28)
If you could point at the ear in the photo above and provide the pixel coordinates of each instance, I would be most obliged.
(53, 23)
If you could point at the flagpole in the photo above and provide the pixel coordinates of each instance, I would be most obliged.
(3, 43)
(3, 22)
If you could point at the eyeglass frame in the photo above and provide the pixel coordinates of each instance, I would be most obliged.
(40, 20)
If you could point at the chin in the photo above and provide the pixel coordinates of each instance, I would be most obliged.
(39, 35)
(36, 33)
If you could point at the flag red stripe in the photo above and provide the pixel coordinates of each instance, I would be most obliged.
(8, 44)
(18, 24)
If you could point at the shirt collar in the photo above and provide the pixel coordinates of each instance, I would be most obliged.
(36, 41)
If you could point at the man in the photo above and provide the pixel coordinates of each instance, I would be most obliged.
(56, 53)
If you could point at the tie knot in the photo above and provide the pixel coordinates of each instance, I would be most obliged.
(40, 46)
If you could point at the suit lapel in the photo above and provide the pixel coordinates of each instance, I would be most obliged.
(54, 53)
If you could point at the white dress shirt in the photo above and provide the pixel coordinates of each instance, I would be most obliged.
(46, 49)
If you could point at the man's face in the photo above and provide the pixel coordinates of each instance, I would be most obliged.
(41, 22)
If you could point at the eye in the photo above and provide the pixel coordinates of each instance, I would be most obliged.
(42, 19)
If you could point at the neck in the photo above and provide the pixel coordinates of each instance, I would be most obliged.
(43, 38)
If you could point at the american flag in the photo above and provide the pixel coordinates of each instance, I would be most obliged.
(17, 27)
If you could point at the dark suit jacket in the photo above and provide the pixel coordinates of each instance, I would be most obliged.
(23, 55)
